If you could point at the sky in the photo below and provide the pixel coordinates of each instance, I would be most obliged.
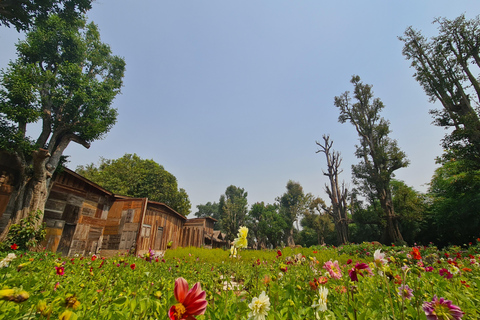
(237, 93)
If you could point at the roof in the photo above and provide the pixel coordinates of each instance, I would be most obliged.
(218, 236)
(120, 197)
(89, 182)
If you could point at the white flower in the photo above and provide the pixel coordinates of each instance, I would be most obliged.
(259, 306)
(454, 270)
(379, 257)
(7, 259)
(321, 305)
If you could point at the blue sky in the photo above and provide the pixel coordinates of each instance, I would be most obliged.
(237, 92)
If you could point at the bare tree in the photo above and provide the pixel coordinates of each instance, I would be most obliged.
(337, 194)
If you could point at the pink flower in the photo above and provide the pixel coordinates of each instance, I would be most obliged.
(405, 292)
(357, 270)
(441, 309)
(445, 273)
(333, 269)
(190, 302)
(60, 270)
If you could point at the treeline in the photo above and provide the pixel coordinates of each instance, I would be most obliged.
(378, 207)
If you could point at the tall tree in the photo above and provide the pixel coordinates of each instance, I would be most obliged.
(233, 209)
(447, 68)
(22, 13)
(337, 194)
(410, 205)
(380, 156)
(66, 78)
(317, 224)
(266, 224)
(292, 206)
(133, 176)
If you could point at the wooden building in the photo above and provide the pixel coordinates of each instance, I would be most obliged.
(83, 218)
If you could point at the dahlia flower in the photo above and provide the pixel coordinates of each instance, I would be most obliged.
(190, 302)
(441, 309)
(259, 306)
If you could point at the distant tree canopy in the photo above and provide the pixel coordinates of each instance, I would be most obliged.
(135, 177)
(22, 13)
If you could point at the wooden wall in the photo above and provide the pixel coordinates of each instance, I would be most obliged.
(75, 215)
(8, 179)
(122, 226)
(160, 225)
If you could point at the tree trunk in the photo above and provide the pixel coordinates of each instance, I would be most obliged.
(391, 233)
(30, 192)
(342, 231)
(290, 240)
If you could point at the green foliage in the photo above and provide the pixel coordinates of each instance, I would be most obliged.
(411, 207)
(25, 234)
(135, 177)
(128, 287)
(292, 205)
(446, 67)
(266, 224)
(232, 210)
(379, 155)
(455, 202)
(22, 13)
(208, 210)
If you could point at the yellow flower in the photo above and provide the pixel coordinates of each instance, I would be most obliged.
(241, 241)
(66, 315)
(243, 232)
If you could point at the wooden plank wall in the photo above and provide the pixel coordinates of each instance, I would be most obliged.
(75, 216)
(122, 226)
(193, 233)
(159, 227)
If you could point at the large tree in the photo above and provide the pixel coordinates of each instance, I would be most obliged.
(133, 176)
(22, 13)
(337, 193)
(233, 207)
(266, 224)
(447, 68)
(66, 79)
(379, 155)
(292, 205)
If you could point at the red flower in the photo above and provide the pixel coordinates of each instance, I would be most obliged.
(279, 253)
(94, 257)
(60, 270)
(445, 273)
(315, 251)
(132, 266)
(416, 254)
(14, 246)
(190, 302)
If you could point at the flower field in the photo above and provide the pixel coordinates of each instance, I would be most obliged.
(365, 281)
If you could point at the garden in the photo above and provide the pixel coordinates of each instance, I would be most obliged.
(354, 281)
